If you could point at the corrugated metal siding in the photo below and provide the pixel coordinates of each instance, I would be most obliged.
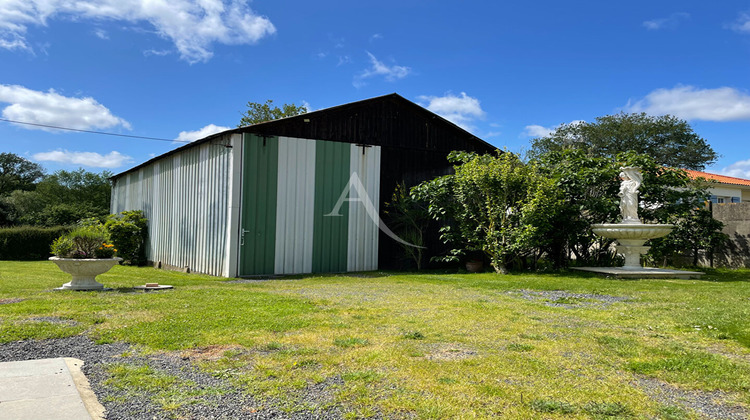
(330, 232)
(185, 198)
(260, 175)
(295, 206)
(362, 246)
(415, 144)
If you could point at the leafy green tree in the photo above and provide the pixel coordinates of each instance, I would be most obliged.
(62, 198)
(129, 232)
(694, 233)
(408, 218)
(258, 113)
(493, 203)
(17, 173)
(587, 188)
(668, 139)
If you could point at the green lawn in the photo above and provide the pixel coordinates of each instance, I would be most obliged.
(424, 345)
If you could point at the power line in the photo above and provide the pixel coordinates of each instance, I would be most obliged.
(93, 132)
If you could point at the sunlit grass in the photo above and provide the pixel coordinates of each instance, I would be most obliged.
(427, 345)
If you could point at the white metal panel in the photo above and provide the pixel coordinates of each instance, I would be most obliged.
(185, 198)
(295, 206)
(234, 189)
(362, 244)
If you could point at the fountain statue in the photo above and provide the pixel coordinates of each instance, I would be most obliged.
(631, 233)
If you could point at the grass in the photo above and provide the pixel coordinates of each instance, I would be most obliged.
(425, 345)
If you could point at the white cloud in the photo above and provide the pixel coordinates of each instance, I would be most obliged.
(158, 53)
(192, 25)
(491, 134)
(691, 103)
(101, 33)
(51, 108)
(541, 131)
(461, 110)
(111, 160)
(378, 68)
(740, 169)
(200, 133)
(670, 22)
(307, 106)
(537, 131)
(14, 44)
(375, 37)
(742, 24)
(343, 59)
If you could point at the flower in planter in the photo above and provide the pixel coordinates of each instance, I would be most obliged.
(84, 242)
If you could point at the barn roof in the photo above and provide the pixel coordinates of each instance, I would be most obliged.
(389, 121)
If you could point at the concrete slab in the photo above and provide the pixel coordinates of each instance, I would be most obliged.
(46, 388)
(150, 288)
(641, 273)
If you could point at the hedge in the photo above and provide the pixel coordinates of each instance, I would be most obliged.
(28, 242)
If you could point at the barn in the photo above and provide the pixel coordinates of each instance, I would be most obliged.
(289, 196)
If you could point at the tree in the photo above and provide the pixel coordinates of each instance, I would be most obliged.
(694, 232)
(62, 198)
(495, 204)
(17, 173)
(408, 218)
(258, 113)
(668, 139)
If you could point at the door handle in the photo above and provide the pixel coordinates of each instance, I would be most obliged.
(242, 236)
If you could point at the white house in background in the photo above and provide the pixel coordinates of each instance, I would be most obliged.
(725, 189)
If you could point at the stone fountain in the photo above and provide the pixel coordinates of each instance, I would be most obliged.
(631, 234)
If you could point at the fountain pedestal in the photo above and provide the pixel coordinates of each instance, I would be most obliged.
(632, 249)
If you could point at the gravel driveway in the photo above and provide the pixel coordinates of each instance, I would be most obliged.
(230, 403)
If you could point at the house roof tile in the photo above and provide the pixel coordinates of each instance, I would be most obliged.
(723, 179)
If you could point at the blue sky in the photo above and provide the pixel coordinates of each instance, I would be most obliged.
(506, 71)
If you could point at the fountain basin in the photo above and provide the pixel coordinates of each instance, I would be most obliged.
(631, 230)
(630, 239)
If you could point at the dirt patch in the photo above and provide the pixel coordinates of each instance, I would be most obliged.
(210, 353)
(51, 320)
(709, 405)
(562, 299)
(449, 352)
(7, 301)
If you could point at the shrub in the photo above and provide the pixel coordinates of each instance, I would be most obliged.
(27, 242)
(89, 241)
(129, 231)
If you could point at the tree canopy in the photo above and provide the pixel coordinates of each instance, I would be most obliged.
(17, 173)
(667, 139)
(258, 113)
(62, 198)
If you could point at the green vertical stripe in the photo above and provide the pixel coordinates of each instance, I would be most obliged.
(330, 233)
(260, 167)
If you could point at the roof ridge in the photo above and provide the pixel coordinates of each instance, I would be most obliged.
(718, 177)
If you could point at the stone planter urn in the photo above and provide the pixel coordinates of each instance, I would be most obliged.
(474, 266)
(84, 271)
